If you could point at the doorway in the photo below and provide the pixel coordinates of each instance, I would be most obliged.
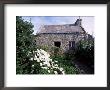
(57, 44)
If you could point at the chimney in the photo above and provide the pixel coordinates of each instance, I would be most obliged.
(78, 22)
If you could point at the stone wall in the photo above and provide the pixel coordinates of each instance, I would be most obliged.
(49, 39)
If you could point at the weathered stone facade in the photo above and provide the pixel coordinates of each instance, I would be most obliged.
(49, 39)
(46, 37)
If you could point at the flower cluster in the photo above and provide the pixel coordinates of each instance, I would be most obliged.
(45, 62)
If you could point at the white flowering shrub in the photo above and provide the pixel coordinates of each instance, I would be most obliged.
(45, 63)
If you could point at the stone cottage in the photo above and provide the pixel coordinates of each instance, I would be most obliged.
(62, 36)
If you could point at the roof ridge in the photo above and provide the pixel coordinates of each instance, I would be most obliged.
(58, 24)
(65, 28)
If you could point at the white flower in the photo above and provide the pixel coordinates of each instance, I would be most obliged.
(44, 67)
(56, 61)
(48, 71)
(56, 65)
(32, 65)
(45, 63)
(40, 64)
(63, 72)
(29, 52)
(35, 51)
(31, 59)
(43, 58)
(38, 60)
(61, 69)
(48, 64)
(35, 57)
(50, 60)
(55, 72)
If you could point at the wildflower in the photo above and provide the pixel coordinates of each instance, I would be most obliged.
(48, 71)
(56, 61)
(43, 58)
(56, 65)
(35, 57)
(48, 64)
(44, 67)
(50, 60)
(37, 60)
(40, 64)
(31, 59)
(32, 65)
(63, 72)
(55, 72)
(61, 69)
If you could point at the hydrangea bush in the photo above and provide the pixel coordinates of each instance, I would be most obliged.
(45, 63)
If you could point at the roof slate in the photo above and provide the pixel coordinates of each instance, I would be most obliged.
(67, 28)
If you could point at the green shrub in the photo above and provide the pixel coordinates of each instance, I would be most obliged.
(85, 52)
(24, 45)
(71, 70)
(66, 64)
(44, 47)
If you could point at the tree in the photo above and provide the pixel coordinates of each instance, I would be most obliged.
(24, 45)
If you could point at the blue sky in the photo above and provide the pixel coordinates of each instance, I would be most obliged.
(38, 21)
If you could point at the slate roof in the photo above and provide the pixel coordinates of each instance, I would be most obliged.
(67, 28)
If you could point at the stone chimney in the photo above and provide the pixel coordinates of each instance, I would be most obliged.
(78, 22)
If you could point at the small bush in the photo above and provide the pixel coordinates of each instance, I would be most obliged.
(85, 52)
(44, 47)
(67, 65)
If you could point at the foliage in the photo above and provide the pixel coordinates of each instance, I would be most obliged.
(24, 45)
(44, 47)
(67, 65)
(47, 65)
(57, 56)
(85, 52)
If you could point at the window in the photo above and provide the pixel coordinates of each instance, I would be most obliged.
(71, 44)
(57, 44)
